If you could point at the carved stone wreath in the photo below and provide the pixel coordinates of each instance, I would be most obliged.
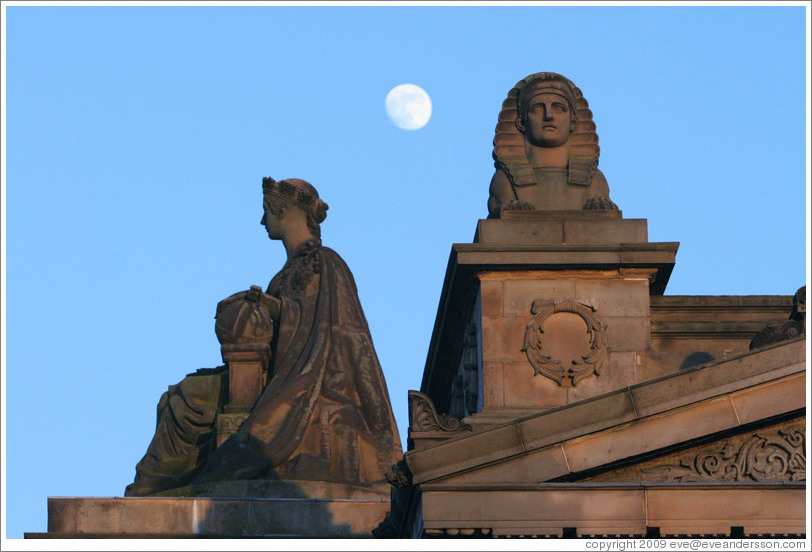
(564, 373)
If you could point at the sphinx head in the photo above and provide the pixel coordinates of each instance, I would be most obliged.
(545, 110)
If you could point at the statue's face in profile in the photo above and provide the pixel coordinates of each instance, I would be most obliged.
(271, 218)
(547, 120)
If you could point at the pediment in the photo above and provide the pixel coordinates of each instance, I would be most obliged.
(767, 454)
(716, 413)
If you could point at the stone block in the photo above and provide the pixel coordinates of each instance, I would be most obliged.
(771, 399)
(519, 294)
(150, 517)
(533, 511)
(615, 297)
(712, 511)
(606, 231)
(517, 232)
(503, 338)
(627, 333)
(462, 453)
(735, 373)
(533, 467)
(492, 298)
(618, 371)
(566, 423)
(651, 433)
(493, 394)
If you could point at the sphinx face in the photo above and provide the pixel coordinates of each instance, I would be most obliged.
(547, 122)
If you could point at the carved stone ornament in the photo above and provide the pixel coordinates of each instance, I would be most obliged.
(555, 345)
(775, 332)
(767, 455)
(423, 416)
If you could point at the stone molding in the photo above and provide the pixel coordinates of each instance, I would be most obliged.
(589, 364)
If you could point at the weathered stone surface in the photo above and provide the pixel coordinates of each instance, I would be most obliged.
(494, 391)
(618, 372)
(626, 296)
(736, 372)
(613, 510)
(149, 517)
(541, 229)
(520, 293)
(492, 297)
(523, 389)
(772, 397)
(651, 433)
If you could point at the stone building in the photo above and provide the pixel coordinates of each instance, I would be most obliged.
(565, 395)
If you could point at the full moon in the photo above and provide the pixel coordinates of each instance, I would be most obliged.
(408, 106)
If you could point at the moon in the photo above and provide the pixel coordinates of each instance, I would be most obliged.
(408, 106)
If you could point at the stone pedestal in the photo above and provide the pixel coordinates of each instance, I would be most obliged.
(247, 375)
(558, 302)
(299, 509)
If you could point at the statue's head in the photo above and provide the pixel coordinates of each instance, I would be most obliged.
(294, 194)
(545, 110)
(534, 98)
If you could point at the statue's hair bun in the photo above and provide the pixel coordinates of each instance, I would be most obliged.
(319, 211)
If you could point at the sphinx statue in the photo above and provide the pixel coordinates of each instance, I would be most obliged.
(321, 409)
(546, 150)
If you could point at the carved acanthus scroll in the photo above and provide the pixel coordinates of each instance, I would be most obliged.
(423, 416)
(764, 456)
(771, 454)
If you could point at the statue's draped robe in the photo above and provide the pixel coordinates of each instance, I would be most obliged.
(324, 414)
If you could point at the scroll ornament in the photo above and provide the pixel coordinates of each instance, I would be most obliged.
(765, 456)
(423, 416)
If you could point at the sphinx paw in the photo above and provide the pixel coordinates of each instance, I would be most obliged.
(600, 203)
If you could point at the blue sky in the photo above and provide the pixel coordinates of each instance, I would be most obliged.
(137, 139)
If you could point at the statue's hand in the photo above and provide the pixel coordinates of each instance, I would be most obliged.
(269, 302)
(600, 203)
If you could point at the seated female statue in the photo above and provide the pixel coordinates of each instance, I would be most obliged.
(324, 413)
